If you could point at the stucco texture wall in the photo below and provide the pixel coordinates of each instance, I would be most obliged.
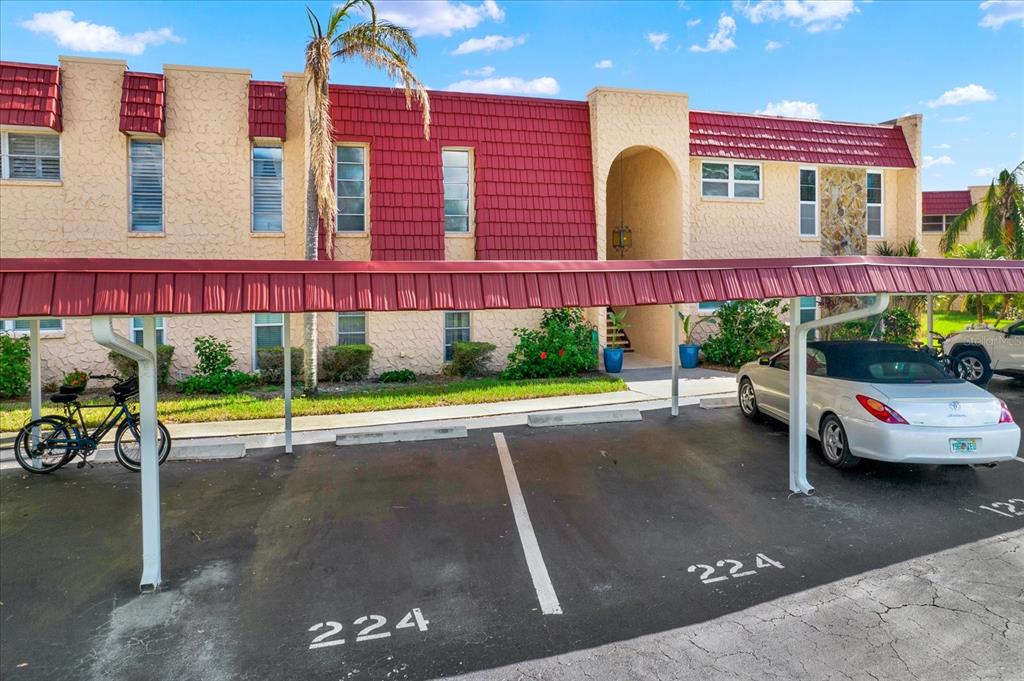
(930, 240)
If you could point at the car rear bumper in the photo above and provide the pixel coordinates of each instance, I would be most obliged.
(928, 445)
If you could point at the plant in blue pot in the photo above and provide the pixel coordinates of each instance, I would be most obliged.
(613, 356)
(689, 352)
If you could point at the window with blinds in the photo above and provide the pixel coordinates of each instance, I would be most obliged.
(457, 173)
(350, 172)
(267, 332)
(137, 329)
(29, 157)
(351, 328)
(456, 329)
(267, 189)
(146, 180)
(20, 326)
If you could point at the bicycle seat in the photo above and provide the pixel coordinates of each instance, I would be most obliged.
(63, 398)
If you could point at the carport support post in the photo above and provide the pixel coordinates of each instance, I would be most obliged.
(931, 318)
(35, 381)
(675, 360)
(286, 340)
(151, 559)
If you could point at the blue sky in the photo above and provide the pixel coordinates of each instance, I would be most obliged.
(958, 63)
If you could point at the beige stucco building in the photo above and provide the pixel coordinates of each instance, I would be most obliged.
(205, 163)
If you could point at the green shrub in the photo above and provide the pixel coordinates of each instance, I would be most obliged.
(900, 327)
(227, 382)
(15, 370)
(564, 345)
(469, 358)
(214, 355)
(126, 368)
(271, 362)
(400, 376)
(746, 330)
(346, 362)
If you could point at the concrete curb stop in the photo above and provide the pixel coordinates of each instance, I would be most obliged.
(582, 418)
(400, 435)
(719, 402)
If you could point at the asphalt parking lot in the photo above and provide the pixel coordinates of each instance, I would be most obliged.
(411, 554)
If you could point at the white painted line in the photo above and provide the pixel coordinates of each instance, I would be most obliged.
(534, 560)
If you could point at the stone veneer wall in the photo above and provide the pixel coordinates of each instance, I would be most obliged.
(841, 208)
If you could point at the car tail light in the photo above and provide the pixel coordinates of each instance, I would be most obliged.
(880, 411)
(1005, 416)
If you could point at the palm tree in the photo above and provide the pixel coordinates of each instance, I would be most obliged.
(1003, 216)
(353, 32)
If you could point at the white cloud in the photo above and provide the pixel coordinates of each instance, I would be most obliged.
(931, 161)
(692, 22)
(482, 71)
(813, 15)
(508, 85)
(956, 119)
(999, 12)
(85, 36)
(791, 109)
(604, 64)
(438, 17)
(984, 172)
(968, 94)
(657, 40)
(491, 43)
(772, 45)
(721, 40)
(941, 146)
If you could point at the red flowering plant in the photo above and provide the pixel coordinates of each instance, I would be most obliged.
(564, 345)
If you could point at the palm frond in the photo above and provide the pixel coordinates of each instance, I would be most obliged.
(314, 23)
(957, 228)
(992, 222)
(886, 250)
(911, 249)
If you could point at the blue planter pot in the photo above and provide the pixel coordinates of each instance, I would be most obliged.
(688, 355)
(613, 360)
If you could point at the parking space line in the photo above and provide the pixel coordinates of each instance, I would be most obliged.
(534, 560)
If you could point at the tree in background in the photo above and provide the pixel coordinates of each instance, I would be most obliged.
(353, 32)
(1002, 210)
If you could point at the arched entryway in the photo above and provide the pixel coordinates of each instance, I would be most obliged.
(644, 194)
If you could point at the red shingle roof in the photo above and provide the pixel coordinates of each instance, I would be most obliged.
(75, 287)
(533, 174)
(30, 95)
(142, 103)
(945, 203)
(266, 109)
(770, 138)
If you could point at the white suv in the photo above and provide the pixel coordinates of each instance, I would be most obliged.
(977, 353)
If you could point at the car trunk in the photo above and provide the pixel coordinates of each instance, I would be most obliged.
(951, 405)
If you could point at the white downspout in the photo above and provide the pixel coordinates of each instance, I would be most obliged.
(103, 332)
(286, 338)
(675, 360)
(798, 383)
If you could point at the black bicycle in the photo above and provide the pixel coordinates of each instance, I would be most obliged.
(46, 444)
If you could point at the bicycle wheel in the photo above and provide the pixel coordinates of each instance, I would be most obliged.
(128, 445)
(42, 446)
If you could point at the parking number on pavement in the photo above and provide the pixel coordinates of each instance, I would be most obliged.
(1010, 508)
(735, 569)
(370, 627)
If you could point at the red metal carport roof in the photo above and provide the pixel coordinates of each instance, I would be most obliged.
(75, 287)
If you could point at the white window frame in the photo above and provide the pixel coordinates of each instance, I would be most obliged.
(252, 186)
(366, 188)
(161, 327)
(9, 326)
(470, 188)
(708, 308)
(255, 325)
(801, 203)
(731, 181)
(163, 183)
(351, 333)
(445, 328)
(5, 154)
(880, 204)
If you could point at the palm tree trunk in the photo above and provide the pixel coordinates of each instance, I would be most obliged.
(979, 306)
(309, 344)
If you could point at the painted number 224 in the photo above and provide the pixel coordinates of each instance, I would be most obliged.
(735, 568)
(374, 625)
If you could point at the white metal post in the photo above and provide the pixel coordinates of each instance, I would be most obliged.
(286, 341)
(931, 318)
(798, 383)
(151, 559)
(35, 382)
(675, 360)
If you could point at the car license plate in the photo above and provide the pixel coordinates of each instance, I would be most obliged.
(964, 445)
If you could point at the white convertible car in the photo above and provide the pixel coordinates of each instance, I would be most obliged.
(883, 401)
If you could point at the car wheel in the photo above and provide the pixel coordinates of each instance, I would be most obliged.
(973, 366)
(834, 445)
(748, 400)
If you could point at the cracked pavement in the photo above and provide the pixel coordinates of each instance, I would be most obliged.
(957, 615)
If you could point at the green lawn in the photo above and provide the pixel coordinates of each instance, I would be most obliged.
(176, 408)
(946, 323)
